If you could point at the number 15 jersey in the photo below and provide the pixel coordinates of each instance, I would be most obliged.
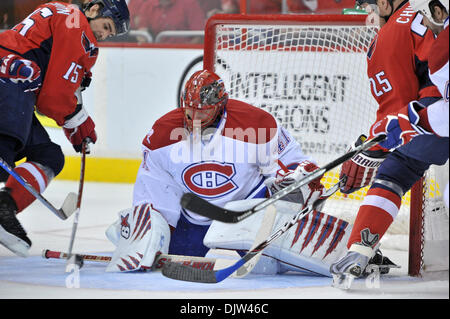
(58, 37)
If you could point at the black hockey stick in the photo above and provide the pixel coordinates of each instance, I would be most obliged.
(186, 273)
(84, 146)
(69, 204)
(200, 206)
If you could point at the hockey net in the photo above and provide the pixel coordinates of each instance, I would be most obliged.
(310, 73)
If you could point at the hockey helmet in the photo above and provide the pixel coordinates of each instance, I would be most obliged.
(203, 99)
(117, 10)
(426, 7)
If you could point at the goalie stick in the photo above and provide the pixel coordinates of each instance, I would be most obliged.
(160, 260)
(69, 204)
(181, 272)
(200, 206)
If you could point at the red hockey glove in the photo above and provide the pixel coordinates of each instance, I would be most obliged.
(360, 170)
(19, 70)
(79, 127)
(400, 128)
(306, 194)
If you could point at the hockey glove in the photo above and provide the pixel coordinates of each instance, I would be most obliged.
(21, 71)
(401, 128)
(306, 194)
(360, 170)
(79, 127)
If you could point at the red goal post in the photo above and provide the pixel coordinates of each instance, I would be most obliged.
(309, 71)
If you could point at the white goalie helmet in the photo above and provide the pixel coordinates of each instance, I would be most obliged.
(424, 7)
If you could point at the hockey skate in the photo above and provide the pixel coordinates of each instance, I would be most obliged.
(351, 266)
(383, 263)
(356, 264)
(12, 234)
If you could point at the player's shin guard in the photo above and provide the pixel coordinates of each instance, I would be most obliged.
(36, 175)
(376, 214)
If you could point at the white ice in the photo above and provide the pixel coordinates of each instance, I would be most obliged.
(36, 277)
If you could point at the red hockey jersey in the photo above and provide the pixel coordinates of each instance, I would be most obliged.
(397, 64)
(57, 36)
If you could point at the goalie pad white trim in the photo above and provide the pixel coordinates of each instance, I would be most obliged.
(311, 246)
(139, 234)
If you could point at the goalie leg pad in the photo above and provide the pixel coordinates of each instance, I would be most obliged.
(311, 246)
(143, 233)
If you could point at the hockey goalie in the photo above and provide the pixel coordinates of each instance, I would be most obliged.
(233, 155)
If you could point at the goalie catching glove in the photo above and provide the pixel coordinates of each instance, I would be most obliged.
(360, 170)
(400, 128)
(306, 194)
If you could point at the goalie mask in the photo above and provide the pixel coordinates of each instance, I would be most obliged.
(116, 10)
(203, 99)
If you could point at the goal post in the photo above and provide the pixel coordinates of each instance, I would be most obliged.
(310, 72)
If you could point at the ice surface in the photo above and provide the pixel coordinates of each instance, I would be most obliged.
(36, 277)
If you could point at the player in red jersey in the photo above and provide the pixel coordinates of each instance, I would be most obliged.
(45, 62)
(413, 119)
(398, 73)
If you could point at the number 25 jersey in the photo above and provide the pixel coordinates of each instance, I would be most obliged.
(397, 62)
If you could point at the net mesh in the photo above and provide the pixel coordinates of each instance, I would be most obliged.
(313, 80)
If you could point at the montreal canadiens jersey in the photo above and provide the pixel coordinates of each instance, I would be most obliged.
(230, 163)
(397, 62)
(56, 36)
(438, 62)
(437, 113)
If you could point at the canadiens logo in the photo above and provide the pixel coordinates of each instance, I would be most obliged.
(210, 179)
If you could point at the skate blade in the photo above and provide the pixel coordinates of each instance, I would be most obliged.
(343, 282)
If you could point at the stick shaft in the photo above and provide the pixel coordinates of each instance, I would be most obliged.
(160, 260)
(80, 195)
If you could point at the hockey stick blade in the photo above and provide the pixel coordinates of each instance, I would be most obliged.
(186, 273)
(200, 206)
